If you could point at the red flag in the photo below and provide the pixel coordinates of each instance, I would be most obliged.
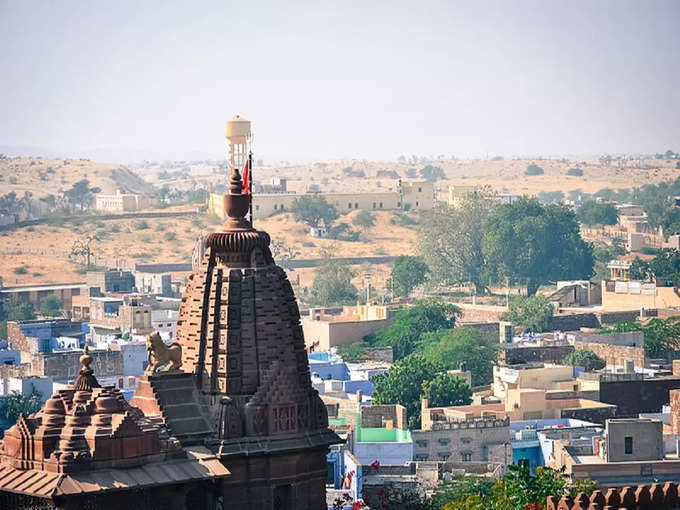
(246, 179)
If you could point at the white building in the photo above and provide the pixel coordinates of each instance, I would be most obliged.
(165, 322)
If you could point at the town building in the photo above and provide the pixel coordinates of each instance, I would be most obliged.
(325, 330)
(111, 281)
(159, 284)
(405, 195)
(631, 452)
(113, 317)
(36, 294)
(122, 202)
(446, 436)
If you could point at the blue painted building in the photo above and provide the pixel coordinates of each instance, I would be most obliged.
(528, 439)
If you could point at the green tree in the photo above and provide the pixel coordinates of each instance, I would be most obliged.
(332, 284)
(3, 330)
(50, 307)
(533, 169)
(426, 316)
(407, 273)
(533, 313)
(586, 359)
(353, 352)
(446, 390)
(402, 384)
(662, 336)
(604, 254)
(311, 209)
(550, 197)
(463, 345)
(639, 270)
(432, 173)
(534, 244)
(666, 266)
(364, 220)
(598, 213)
(17, 310)
(81, 194)
(575, 172)
(451, 241)
(16, 404)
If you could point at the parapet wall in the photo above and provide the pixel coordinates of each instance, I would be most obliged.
(470, 424)
(655, 496)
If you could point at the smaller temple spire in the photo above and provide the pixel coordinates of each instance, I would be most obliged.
(236, 204)
(86, 379)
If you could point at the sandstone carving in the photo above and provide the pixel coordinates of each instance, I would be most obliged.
(162, 355)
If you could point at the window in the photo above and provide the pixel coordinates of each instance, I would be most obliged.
(276, 207)
(373, 205)
(420, 190)
(282, 207)
(257, 207)
(398, 204)
(467, 457)
(421, 457)
(443, 456)
(356, 205)
(417, 204)
(466, 440)
(444, 440)
(381, 205)
(349, 206)
(421, 443)
(628, 445)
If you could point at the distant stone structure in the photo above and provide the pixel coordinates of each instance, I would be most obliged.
(122, 202)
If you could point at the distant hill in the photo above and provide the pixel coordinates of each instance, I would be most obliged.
(51, 176)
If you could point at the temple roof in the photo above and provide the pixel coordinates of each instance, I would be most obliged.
(86, 427)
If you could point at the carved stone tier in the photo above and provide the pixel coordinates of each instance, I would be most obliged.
(174, 398)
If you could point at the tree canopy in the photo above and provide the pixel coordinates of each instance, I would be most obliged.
(311, 209)
(81, 194)
(533, 244)
(533, 169)
(426, 316)
(598, 213)
(463, 344)
(403, 384)
(451, 241)
(586, 359)
(664, 266)
(662, 336)
(533, 313)
(50, 307)
(16, 404)
(408, 272)
(14, 309)
(432, 173)
(364, 220)
(332, 284)
(446, 390)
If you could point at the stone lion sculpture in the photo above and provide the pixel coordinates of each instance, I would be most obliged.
(161, 354)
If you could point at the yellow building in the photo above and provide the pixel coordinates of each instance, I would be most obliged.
(409, 195)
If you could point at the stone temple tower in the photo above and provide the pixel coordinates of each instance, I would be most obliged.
(239, 327)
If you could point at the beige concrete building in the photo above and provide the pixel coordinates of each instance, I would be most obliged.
(323, 331)
(445, 436)
(122, 202)
(620, 295)
(407, 195)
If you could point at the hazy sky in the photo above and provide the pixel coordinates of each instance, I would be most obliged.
(340, 79)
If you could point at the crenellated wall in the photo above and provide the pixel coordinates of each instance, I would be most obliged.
(655, 496)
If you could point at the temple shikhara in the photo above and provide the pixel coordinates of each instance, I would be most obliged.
(230, 420)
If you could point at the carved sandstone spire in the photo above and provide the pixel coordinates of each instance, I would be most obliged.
(86, 379)
(236, 205)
